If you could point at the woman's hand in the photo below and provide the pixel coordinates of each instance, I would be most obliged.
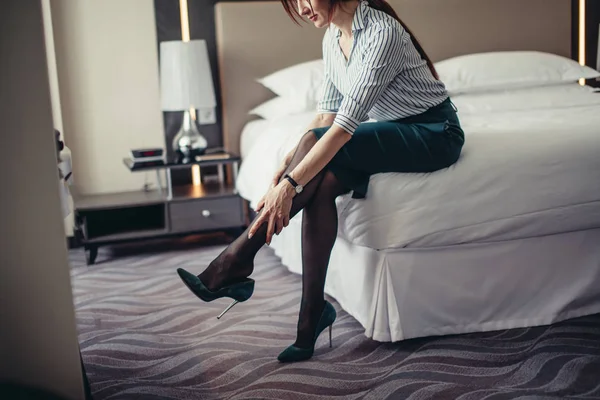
(276, 206)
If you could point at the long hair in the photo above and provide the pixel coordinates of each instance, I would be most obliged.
(381, 5)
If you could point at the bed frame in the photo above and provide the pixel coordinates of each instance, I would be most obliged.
(258, 38)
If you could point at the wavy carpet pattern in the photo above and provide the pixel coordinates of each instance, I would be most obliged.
(143, 335)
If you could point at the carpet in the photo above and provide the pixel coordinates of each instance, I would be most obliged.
(143, 335)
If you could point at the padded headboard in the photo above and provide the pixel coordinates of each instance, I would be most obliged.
(258, 38)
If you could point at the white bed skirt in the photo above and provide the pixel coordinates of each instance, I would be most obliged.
(408, 293)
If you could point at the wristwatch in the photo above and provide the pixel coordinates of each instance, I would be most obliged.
(297, 187)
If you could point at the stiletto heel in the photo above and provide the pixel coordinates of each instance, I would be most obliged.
(293, 353)
(233, 303)
(330, 328)
(239, 292)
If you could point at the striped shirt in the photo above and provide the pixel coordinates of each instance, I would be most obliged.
(384, 78)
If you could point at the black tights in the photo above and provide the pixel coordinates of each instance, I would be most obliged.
(319, 231)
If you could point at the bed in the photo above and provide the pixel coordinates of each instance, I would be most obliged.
(507, 237)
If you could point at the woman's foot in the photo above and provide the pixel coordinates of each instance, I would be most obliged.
(309, 329)
(239, 292)
(309, 317)
(225, 270)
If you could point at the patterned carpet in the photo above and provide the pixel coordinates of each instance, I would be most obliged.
(144, 336)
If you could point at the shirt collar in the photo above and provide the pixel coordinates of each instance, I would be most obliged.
(358, 21)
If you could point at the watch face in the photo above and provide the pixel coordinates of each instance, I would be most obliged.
(299, 189)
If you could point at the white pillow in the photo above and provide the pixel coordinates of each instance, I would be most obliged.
(526, 100)
(300, 82)
(280, 107)
(509, 69)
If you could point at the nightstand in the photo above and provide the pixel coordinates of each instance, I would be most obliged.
(171, 211)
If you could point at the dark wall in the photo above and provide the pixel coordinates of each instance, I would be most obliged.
(592, 23)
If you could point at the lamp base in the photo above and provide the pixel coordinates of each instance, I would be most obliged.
(188, 142)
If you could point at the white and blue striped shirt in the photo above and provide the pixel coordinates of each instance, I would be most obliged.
(384, 78)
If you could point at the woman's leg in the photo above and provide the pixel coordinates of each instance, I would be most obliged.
(237, 260)
(319, 231)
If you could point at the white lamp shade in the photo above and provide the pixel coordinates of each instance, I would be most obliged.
(185, 76)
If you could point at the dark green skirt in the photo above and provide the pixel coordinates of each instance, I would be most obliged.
(426, 142)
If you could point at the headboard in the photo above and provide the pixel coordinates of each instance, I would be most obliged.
(255, 38)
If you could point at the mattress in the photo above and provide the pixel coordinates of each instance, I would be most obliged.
(529, 167)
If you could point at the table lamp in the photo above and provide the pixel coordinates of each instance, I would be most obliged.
(186, 85)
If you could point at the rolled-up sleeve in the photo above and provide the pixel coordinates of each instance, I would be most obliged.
(381, 63)
(331, 98)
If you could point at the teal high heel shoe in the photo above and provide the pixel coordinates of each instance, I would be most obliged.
(239, 292)
(293, 353)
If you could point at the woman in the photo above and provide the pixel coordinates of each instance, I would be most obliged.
(374, 68)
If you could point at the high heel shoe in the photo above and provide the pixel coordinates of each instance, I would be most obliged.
(239, 292)
(293, 353)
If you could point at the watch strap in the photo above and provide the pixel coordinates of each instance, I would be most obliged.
(291, 180)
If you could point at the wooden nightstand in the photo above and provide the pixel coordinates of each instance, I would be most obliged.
(180, 210)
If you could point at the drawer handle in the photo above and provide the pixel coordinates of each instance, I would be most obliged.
(205, 213)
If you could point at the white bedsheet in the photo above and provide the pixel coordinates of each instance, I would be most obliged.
(406, 293)
(530, 167)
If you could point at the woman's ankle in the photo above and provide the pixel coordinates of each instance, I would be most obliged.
(225, 270)
(309, 317)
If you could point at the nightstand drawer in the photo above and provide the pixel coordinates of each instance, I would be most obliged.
(206, 214)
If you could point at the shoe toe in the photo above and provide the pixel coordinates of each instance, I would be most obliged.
(187, 277)
(284, 356)
(294, 354)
